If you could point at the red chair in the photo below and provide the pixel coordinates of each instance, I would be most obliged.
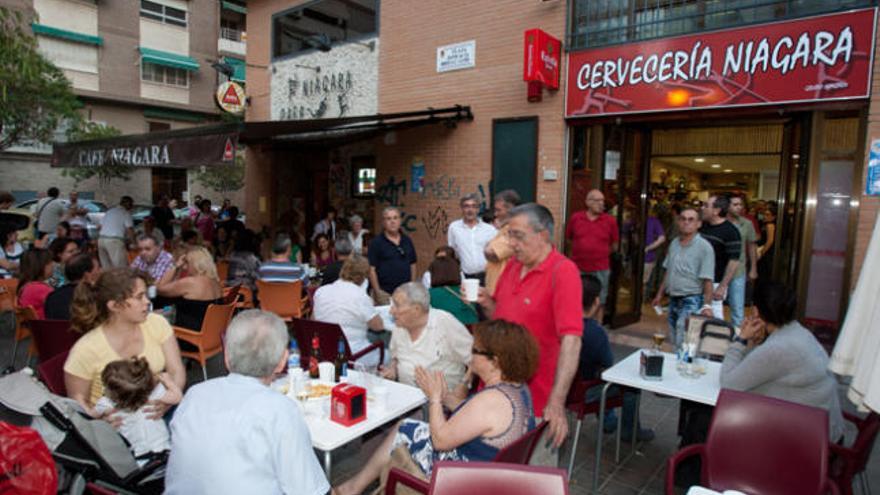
(576, 402)
(848, 462)
(480, 478)
(520, 451)
(759, 444)
(52, 373)
(52, 337)
(328, 337)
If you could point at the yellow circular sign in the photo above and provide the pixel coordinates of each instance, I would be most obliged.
(231, 97)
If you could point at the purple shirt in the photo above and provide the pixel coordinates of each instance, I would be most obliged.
(162, 264)
(654, 231)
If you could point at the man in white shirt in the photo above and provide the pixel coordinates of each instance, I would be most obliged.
(117, 227)
(49, 212)
(234, 434)
(425, 337)
(468, 236)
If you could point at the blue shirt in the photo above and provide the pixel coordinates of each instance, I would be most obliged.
(595, 350)
(236, 435)
(392, 261)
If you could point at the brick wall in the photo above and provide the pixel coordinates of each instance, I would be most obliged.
(458, 161)
(869, 205)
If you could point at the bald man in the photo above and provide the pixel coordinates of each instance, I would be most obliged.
(592, 235)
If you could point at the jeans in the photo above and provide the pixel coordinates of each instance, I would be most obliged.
(736, 299)
(680, 307)
(629, 407)
(717, 305)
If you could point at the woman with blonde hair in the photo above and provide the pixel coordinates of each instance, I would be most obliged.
(195, 284)
(346, 303)
(114, 315)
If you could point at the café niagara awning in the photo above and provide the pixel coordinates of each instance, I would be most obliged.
(168, 59)
(213, 145)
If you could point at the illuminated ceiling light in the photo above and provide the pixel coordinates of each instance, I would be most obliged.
(716, 165)
(795, 156)
(699, 160)
(727, 170)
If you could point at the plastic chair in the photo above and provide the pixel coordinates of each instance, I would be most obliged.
(479, 478)
(759, 444)
(8, 287)
(285, 299)
(849, 462)
(576, 402)
(328, 338)
(713, 335)
(52, 337)
(23, 317)
(52, 373)
(209, 341)
(520, 451)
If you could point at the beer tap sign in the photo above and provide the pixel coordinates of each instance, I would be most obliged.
(541, 62)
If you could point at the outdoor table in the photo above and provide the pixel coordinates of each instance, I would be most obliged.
(703, 389)
(328, 436)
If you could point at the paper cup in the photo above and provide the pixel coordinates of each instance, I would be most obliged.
(471, 288)
(326, 371)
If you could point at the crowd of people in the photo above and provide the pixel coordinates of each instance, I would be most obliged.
(533, 327)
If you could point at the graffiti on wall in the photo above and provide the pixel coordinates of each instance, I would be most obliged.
(436, 222)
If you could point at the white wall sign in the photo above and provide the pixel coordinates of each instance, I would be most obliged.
(322, 85)
(457, 56)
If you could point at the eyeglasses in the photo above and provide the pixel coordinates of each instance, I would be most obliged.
(516, 235)
(401, 251)
(487, 354)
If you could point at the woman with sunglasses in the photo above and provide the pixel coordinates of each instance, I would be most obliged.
(504, 357)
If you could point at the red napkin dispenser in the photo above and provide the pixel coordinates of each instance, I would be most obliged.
(348, 404)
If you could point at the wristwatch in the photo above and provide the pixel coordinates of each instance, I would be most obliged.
(741, 340)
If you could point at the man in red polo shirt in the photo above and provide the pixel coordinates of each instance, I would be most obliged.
(593, 235)
(541, 290)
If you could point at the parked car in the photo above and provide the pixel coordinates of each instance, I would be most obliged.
(94, 212)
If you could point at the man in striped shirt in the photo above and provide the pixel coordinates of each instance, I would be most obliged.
(279, 268)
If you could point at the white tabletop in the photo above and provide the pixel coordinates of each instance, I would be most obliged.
(704, 389)
(328, 435)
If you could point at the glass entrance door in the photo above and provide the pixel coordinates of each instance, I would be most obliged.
(624, 184)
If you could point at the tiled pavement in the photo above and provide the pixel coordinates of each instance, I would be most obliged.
(640, 473)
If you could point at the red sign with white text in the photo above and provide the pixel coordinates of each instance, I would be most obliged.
(542, 58)
(827, 57)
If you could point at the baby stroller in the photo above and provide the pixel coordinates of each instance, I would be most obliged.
(85, 450)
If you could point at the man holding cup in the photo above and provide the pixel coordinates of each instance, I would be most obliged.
(468, 236)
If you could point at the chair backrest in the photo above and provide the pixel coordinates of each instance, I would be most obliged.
(222, 270)
(214, 325)
(713, 336)
(865, 441)
(328, 338)
(759, 444)
(520, 451)
(23, 318)
(230, 294)
(52, 373)
(8, 287)
(281, 298)
(52, 337)
(480, 478)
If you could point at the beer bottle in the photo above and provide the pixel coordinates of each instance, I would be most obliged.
(340, 364)
(315, 358)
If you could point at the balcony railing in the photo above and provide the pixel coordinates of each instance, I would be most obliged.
(232, 34)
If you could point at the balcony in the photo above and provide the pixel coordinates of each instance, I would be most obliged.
(232, 41)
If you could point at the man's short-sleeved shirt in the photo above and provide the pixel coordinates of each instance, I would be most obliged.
(164, 262)
(547, 302)
(726, 243)
(687, 266)
(591, 240)
(236, 435)
(392, 261)
(444, 345)
(281, 271)
(51, 212)
(115, 222)
(748, 235)
(469, 243)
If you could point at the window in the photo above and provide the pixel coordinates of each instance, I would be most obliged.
(322, 23)
(158, 126)
(364, 170)
(164, 75)
(596, 23)
(163, 13)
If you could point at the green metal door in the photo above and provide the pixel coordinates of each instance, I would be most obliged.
(514, 156)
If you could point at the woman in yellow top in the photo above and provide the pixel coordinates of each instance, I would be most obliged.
(114, 315)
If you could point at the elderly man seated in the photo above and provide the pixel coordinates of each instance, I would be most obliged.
(235, 434)
(152, 258)
(279, 268)
(425, 337)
